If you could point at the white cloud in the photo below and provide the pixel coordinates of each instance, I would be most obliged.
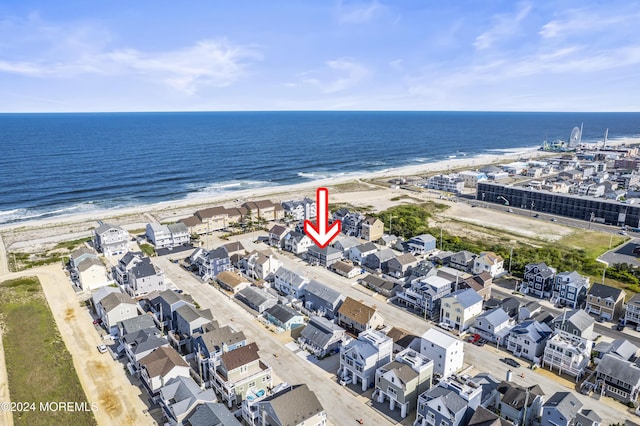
(359, 12)
(504, 26)
(588, 22)
(352, 73)
(396, 65)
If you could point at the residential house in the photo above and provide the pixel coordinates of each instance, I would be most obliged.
(462, 260)
(511, 306)
(179, 234)
(321, 336)
(289, 283)
(346, 269)
(345, 244)
(188, 321)
(455, 276)
(210, 414)
(361, 357)
(163, 305)
(234, 247)
(402, 339)
(371, 229)
(489, 262)
(323, 256)
(493, 325)
(356, 317)
(621, 348)
(472, 177)
(424, 268)
(570, 289)
(566, 355)
(632, 311)
(260, 266)
(380, 259)
(529, 310)
(380, 285)
(484, 417)
(137, 323)
(162, 236)
(358, 254)
(402, 265)
(239, 373)
(159, 367)
(467, 388)
(445, 350)
(299, 209)
(351, 223)
(80, 254)
(322, 299)
(232, 281)
(213, 262)
(213, 341)
(293, 406)
(518, 404)
(194, 225)
(111, 240)
(440, 406)
(460, 308)
(617, 378)
(422, 244)
(297, 242)
(424, 295)
(256, 299)
(528, 339)
(575, 325)
(480, 283)
(115, 307)
(587, 418)
(605, 301)
(277, 233)
(448, 183)
(489, 388)
(538, 280)
(92, 274)
(284, 317)
(561, 409)
(143, 278)
(402, 380)
(264, 209)
(138, 344)
(179, 396)
(213, 218)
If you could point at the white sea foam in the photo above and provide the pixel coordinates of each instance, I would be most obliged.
(17, 215)
(197, 191)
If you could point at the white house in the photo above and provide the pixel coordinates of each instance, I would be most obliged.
(489, 262)
(289, 283)
(359, 253)
(300, 209)
(446, 351)
(111, 240)
(493, 325)
(459, 308)
(359, 358)
(528, 339)
(92, 274)
(297, 242)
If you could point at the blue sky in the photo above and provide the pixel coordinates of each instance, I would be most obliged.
(319, 55)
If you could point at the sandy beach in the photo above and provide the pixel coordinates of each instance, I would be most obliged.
(353, 188)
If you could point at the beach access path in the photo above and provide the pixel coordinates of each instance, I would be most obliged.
(6, 417)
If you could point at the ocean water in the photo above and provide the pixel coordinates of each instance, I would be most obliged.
(54, 164)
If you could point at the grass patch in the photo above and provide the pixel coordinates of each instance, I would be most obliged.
(333, 207)
(352, 186)
(39, 367)
(70, 245)
(592, 242)
(147, 249)
(19, 260)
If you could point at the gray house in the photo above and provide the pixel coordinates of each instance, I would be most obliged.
(528, 339)
(402, 265)
(138, 344)
(131, 325)
(180, 395)
(289, 282)
(620, 347)
(256, 299)
(561, 409)
(111, 239)
(324, 257)
(462, 260)
(163, 306)
(517, 402)
(422, 243)
(538, 280)
(116, 307)
(620, 378)
(493, 325)
(188, 322)
(322, 299)
(575, 324)
(359, 253)
(321, 336)
(570, 289)
(380, 259)
(211, 414)
(440, 406)
(284, 317)
(144, 277)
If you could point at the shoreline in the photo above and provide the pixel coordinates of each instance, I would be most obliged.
(285, 192)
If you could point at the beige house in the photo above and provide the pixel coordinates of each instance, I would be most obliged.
(371, 229)
(265, 209)
(357, 317)
(605, 301)
(194, 225)
(214, 218)
(489, 262)
(116, 307)
(232, 281)
(160, 366)
(92, 274)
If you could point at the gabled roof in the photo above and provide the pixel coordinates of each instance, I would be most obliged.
(327, 251)
(462, 256)
(369, 220)
(190, 314)
(102, 292)
(623, 348)
(241, 356)
(137, 323)
(587, 418)
(320, 331)
(536, 331)
(113, 300)
(161, 361)
(604, 291)
(618, 368)
(104, 227)
(543, 270)
(214, 337)
(344, 267)
(323, 292)
(82, 250)
(233, 247)
(366, 247)
(579, 318)
(423, 238)
(356, 311)
(401, 337)
(384, 254)
(490, 257)
(495, 316)
(231, 279)
(404, 259)
(565, 402)
(294, 279)
(183, 393)
(515, 396)
(211, 414)
(143, 269)
(402, 371)
(484, 417)
(278, 230)
(450, 399)
(218, 253)
(211, 212)
(282, 313)
(254, 296)
(572, 278)
(169, 297)
(191, 221)
(377, 282)
(89, 262)
(143, 341)
(293, 406)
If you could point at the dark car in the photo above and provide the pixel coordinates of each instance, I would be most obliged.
(620, 327)
(511, 362)
(536, 215)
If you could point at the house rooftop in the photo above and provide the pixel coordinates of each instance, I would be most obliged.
(113, 300)
(282, 313)
(450, 399)
(320, 331)
(466, 297)
(401, 337)
(254, 296)
(211, 414)
(231, 279)
(161, 361)
(439, 338)
(405, 259)
(215, 337)
(190, 314)
(618, 368)
(241, 356)
(578, 317)
(323, 292)
(137, 323)
(356, 311)
(605, 291)
(515, 396)
(88, 263)
(565, 402)
(294, 406)
(343, 267)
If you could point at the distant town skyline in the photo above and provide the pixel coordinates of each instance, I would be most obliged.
(501, 55)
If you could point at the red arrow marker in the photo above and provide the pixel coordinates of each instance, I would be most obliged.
(322, 233)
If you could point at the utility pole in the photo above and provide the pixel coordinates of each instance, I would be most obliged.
(510, 257)
(440, 239)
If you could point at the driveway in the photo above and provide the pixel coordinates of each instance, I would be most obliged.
(622, 254)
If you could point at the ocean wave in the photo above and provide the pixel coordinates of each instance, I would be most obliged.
(313, 175)
(19, 215)
(196, 190)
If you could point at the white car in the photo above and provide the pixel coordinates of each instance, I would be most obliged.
(445, 326)
(102, 348)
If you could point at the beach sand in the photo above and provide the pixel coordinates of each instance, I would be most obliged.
(354, 189)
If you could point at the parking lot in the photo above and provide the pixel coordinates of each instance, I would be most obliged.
(623, 254)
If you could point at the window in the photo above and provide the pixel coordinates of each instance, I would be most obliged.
(252, 384)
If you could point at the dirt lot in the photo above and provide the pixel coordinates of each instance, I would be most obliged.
(103, 379)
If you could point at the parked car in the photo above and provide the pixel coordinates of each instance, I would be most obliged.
(600, 319)
(620, 327)
(480, 342)
(102, 348)
(445, 326)
(97, 321)
(473, 338)
(553, 219)
(536, 215)
(511, 362)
